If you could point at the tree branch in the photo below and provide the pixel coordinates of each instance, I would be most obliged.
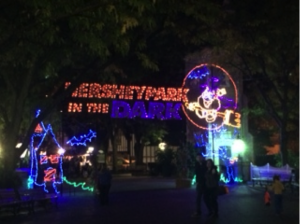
(48, 109)
(263, 65)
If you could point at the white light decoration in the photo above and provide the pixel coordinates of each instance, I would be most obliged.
(162, 146)
(238, 146)
(203, 106)
(61, 151)
(22, 156)
(90, 150)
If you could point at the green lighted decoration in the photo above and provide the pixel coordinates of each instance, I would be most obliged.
(74, 184)
(227, 180)
(238, 146)
(222, 178)
(194, 180)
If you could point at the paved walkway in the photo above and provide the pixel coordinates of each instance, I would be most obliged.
(156, 201)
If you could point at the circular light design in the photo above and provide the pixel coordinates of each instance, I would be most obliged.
(212, 96)
(238, 146)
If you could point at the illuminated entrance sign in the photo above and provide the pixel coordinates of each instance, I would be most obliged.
(107, 91)
(161, 102)
(121, 109)
(208, 98)
(212, 98)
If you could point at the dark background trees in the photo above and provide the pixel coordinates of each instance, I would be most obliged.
(44, 44)
(261, 40)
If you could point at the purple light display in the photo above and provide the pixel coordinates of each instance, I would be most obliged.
(211, 99)
(159, 110)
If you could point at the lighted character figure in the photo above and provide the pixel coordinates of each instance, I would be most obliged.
(208, 104)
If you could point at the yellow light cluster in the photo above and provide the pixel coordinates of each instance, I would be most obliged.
(95, 90)
(227, 115)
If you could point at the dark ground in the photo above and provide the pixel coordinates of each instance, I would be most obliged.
(155, 200)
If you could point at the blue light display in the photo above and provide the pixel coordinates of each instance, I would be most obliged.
(138, 110)
(199, 73)
(222, 152)
(33, 178)
(122, 109)
(82, 139)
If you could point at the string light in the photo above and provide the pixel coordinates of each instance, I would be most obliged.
(139, 91)
(122, 109)
(115, 91)
(129, 92)
(105, 108)
(43, 159)
(160, 94)
(199, 73)
(83, 90)
(156, 110)
(82, 185)
(97, 108)
(221, 138)
(50, 172)
(230, 177)
(171, 94)
(107, 93)
(138, 110)
(75, 107)
(172, 112)
(210, 104)
(95, 90)
(82, 139)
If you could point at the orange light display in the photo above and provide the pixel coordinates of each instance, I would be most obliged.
(106, 91)
(208, 98)
(212, 98)
(97, 107)
(50, 174)
(75, 107)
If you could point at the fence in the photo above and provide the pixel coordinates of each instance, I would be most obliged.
(267, 171)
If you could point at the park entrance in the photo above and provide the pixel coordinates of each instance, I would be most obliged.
(207, 98)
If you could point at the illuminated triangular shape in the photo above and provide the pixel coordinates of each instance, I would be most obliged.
(38, 129)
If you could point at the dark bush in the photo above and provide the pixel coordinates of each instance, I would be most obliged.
(9, 179)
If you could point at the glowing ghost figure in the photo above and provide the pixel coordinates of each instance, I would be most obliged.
(208, 104)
